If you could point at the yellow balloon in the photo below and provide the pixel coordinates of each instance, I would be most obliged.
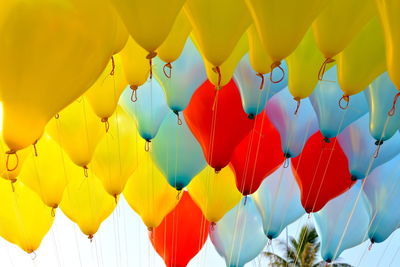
(282, 24)
(45, 173)
(333, 32)
(217, 26)
(78, 131)
(172, 47)
(303, 66)
(51, 53)
(148, 22)
(134, 63)
(148, 192)
(85, 201)
(115, 158)
(121, 36)
(260, 61)
(362, 60)
(24, 219)
(390, 20)
(228, 67)
(215, 194)
(104, 94)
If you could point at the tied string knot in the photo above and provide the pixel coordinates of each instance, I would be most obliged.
(167, 73)
(106, 124)
(298, 100)
(85, 171)
(217, 70)
(276, 64)
(262, 80)
(8, 153)
(150, 57)
(147, 145)
(346, 99)
(178, 116)
(322, 70)
(393, 109)
(112, 66)
(134, 93)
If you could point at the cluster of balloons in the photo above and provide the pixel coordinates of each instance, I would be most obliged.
(220, 118)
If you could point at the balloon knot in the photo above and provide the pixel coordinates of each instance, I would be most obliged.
(353, 178)
(326, 140)
(245, 200)
(150, 57)
(151, 231)
(262, 80)
(134, 93)
(90, 237)
(276, 64)
(213, 224)
(298, 105)
(85, 171)
(178, 195)
(286, 162)
(322, 70)
(169, 73)
(251, 116)
(378, 144)
(12, 184)
(393, 109)
(57, 116)
(147, 145)
(113, 66)
(116, 198)
(53, 211)
(178, 116)
(217, 170)
(370, 245)
(345, 98)
(35, 148)
(8, 153)
(106, 124)
(217, 70)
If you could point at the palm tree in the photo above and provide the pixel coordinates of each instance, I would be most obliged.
(302, 252)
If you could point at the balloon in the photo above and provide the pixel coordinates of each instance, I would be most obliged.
(148, 193)
(188, 74)
(253, 96)
(115, 158)
(148, 22)
(331, 118)
(303, 66)
(150, 111)
(52, 52)
(260, 61)
(380, 99)
(181, 234)
(362, 149)
(104, 94)
(24, 219)
(341, 224)
(171, 48)
(258, 155)
(359, 64)
(121, 35)
(322, 172)
(45, 174)
(294, 129)
(214, 117)
(238, 236)
(382, 190)
(282, 24)
(135, 65)
(78, 131)
(278, 201)
(85, 201)
(332, 34)
(217, 28)
(214, 193)
(177, 153)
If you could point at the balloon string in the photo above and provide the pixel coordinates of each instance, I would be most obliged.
(286, 163)
(150, 57)
(276, 64)
(178, 116)
(215, 99)
(134, 93)
(57, 116)
(147, 145)
(370, 245)
(106, 124)
(85, 171)
(298, 105)
(346, 98)
(378, 144)
(322, 70)
(151, 231)
(113, 66)
(179, 194)
(32, 254)
(35, 148)
(116, 199)
(262, 80)
(309, 216)
(11, 152)
(53, 212)
(169, 73)
(393, 109)
(217, 70)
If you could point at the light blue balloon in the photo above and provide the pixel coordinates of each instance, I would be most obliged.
(177, 153)
(331, 118)
(149, 110)
(238, 237)
(254, 99)
(278, 201)
(343, 222)
(360, 148)
(187, 74)
(382, 188)
(294, 129)
(380, 96)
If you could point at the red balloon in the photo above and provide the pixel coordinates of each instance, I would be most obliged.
(322, 172)
(257, 156)
(181, 234)
(217, 120)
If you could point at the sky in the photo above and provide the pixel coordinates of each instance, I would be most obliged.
(122, 241)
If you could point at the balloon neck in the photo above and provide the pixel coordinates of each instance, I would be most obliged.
(378, 142)
(217, 70)
(298, 100)
(85, 171)
(326, 140)
(245, 200)
(217, 170)
(276, 64)
(372, 243)
(251, 116)
(178, 116)
(353, 178)
(322, 70)
(35, 148)
(212, 226)
(167, 69)
(112, 66)
(90, 237)
(106, 124)
(147, 145)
